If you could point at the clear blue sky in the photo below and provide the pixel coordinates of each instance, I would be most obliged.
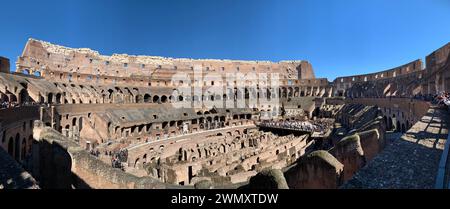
(339, 37)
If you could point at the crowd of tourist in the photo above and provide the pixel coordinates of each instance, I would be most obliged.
(95, 152)
(293, 125)
(118, 157)
(442, 99)
(7, 104)
(322, 125)
(115, 163)
(424, 97)
(318, 125)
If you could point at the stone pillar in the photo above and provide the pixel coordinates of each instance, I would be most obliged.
(41, 113)
(53, 117)
(436, 83)
(317, 170)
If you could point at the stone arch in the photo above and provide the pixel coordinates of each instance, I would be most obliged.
(50, 98)
(139, 98)
(137, 163)
(110, 95)
(290, 92)
(80, 123)
(23, 96)
(223, 148)
(390, 123)
(165, 125)
(17, 147)
(11, 146)
(74, 121)
(26, 72)
(163, 99)
(58, 98)
(144, 159)
(147, 98)
(284, 92)
(29, 143)
(23, 150)
(156, 99)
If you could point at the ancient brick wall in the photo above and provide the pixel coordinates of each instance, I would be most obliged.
(4, 65)
(61, 163)
(318, 170)
(349, 152)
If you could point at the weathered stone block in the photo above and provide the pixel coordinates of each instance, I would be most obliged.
(317, 170)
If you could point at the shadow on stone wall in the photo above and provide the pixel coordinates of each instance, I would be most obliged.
(12, 175)
(59, 163)
(329, 169)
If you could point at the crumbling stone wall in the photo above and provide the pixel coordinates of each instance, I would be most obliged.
(61, 163)
(268, 179)
(317, 170)
(350, 153)
(4, 65)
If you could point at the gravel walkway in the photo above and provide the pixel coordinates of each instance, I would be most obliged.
(408, 162)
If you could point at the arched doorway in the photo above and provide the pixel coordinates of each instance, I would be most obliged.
(80, 123)
(389, 124)
(74, 121)
(23, 96)
(11, 147)
(30, 142)
(24, 149)
(58, 98)
(138, 98)
(17, 147)
(137, 163)
(155, 99)
(147, 98)
(164, 99)
(50, 98)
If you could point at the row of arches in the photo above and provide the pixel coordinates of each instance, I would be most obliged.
(394, 124)
(173, 128)
(17, 146)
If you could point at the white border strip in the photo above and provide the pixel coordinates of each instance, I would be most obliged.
(442, 166)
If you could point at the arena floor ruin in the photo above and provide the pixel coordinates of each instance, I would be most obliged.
(72, 118)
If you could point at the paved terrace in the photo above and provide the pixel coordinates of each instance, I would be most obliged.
(410, 161)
